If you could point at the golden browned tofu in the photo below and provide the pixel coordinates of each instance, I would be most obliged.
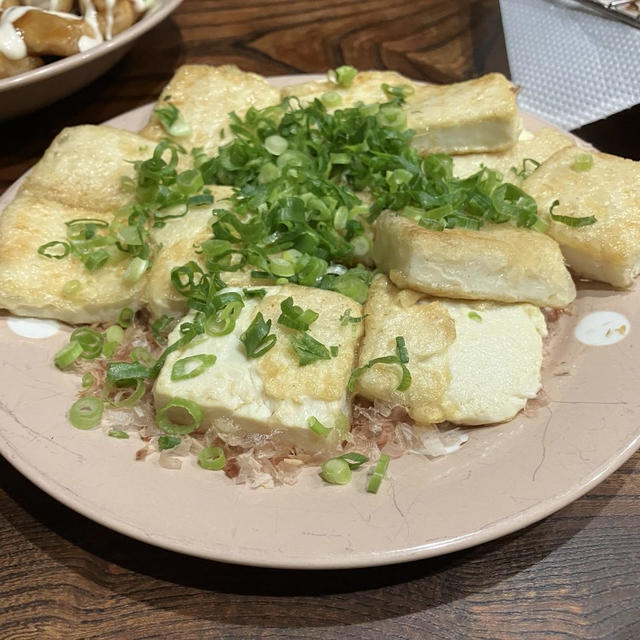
(608, 250)
(205, 96)
(273, 394)
(537, 146)
(84, 165)
(497, 262)
(31, 284)
(470, 363)
(473, 116)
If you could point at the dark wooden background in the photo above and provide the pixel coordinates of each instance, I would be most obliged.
(574, 575)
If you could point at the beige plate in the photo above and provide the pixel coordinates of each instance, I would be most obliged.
(31, 90)
(505, 478)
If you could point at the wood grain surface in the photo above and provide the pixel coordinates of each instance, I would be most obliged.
(574, 575)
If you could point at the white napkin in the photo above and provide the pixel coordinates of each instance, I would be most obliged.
(574, 66)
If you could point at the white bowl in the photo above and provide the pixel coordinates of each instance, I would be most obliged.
(28, 91)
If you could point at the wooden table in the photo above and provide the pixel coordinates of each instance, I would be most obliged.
(574, 575)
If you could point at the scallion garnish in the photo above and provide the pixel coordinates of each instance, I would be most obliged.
(179, 406)
(90, 340)
(317, 427)
(118, 433)
(336, 471)
(68, 355)
(172, 121)
(378, 474)
(308, 349)
(121, 371)
(212, 458)
(343, 75)
(254, 293)
(86, 412)
(295, 317)
(401, 358)
(125, 317)
(192, 366)
(71, 287)
(168, 442)
(474, 315)
(570, 221)
(346, 318)
(582, 162)
(256, 339)
(54, 249)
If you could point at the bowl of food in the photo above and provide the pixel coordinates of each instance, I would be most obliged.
(51, 48)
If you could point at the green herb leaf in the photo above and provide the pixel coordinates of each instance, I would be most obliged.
(256, 339)
(308, 349)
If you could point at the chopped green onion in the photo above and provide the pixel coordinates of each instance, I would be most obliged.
(114, 333)
(172, 121)
(392, 117)
(142, 355)
(256, 339)
(165, 423)
(121, 371)
(90, 340)
(135, 270)
(68, 355)
(95, 260)
(54, 249)
(474, 315)
(378, 473)
(88, 380)
(354, 460)
(343, 75)
(276, 145)
(331, 99)
(118, 433)
(124, 396)
(212, 458)
(582, 162)
(192, 366)
(125, 318)
(168, 442)
(295, 317)
(334, 351)
(254, 293)
(347, 318)
(401, 358)
(71, 287)
(308, 349)
(570, 221)
(317, 427)
(86, 413)
(336, 471)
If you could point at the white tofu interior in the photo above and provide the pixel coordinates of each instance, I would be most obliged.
(471, 363)
(272, 393)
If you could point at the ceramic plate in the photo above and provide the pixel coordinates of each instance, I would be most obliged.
(27, 91)
(504, 478)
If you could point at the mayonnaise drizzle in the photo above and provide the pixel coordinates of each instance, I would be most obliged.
(91, 18)
(12, 44)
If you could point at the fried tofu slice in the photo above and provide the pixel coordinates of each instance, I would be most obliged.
(477, 115)
(497, 262)
(205, 96)
(78, 177)
(84, 165)
(178, 243)
(536, 147)
(466, 117)
(609, 249)
(470, 363)
(31, 284)
(272, 394)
